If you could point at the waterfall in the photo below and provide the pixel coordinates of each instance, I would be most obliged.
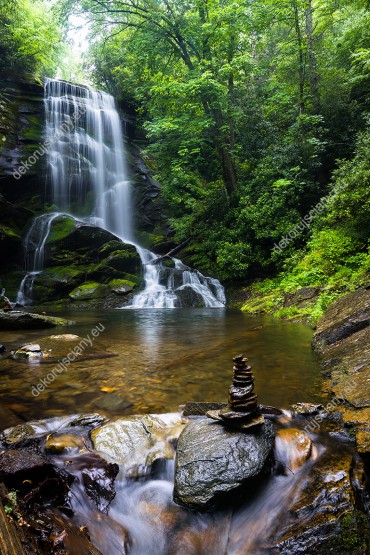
(34, 254)
(87, 179)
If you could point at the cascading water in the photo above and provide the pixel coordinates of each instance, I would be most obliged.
(87, 179)
(34, 254)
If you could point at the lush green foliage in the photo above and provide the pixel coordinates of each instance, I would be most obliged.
(30, 37)
(250, 113)
(336, 259)
(246, 108)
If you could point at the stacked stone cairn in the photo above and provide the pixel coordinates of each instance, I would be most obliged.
(242, 411)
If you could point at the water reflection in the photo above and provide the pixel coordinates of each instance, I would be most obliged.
(164, 358)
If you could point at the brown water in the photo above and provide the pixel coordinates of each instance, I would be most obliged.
(164, 358)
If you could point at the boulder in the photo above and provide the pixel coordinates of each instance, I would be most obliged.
(89, 290)
(212, 460)
(19, 320)
(121, 286)
(138, 441)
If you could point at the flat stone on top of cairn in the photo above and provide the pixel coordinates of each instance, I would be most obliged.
(242, 412)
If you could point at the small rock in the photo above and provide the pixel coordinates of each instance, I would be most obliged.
(65, 337)
(90, 420)
(112, 402)
(14, 435)
(28, 352)
(56, 444)
(2, 349)
(307, 409)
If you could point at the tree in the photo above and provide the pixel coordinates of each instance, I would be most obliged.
(31, 37)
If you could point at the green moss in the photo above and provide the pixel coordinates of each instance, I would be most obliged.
(149, 240)
(89, 290)
(34, 130)
(8, 232)
(121, 286)
(121, 283)
(332, 271)
(60, 228)
(66, 273)
(110, 247)
(354, 532)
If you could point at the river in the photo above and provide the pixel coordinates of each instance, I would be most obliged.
(163, 359)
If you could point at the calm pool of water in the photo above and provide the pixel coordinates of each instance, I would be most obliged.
(164, 358)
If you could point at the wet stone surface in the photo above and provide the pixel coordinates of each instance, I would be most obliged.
(212, 460)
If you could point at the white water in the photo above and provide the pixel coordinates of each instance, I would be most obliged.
(87, 178)
(34, 254)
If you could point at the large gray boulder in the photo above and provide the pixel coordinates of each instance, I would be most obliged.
(213, 460)
(137, 441)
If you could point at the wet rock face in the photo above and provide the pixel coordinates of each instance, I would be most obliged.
(97, 476)
(343, 342)
(21, 125)
(344, 317)
(212, 460)
(324, 518)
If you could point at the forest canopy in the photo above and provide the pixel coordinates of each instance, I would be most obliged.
(249, 113)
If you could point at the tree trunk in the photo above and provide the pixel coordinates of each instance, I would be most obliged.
(300, 59)
(312, 63)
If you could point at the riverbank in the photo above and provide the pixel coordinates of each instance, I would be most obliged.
(341, 339)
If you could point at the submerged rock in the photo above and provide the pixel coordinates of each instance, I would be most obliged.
(212, 460)
(19, 320)
(138, 441)
(293, 448)
(112, 402)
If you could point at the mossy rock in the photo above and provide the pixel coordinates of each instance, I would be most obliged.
(61, 228)
(110, 247)
(121, 286)
(89, 290)
(55, 283)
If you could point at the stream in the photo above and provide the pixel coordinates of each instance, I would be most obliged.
(162, 359)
